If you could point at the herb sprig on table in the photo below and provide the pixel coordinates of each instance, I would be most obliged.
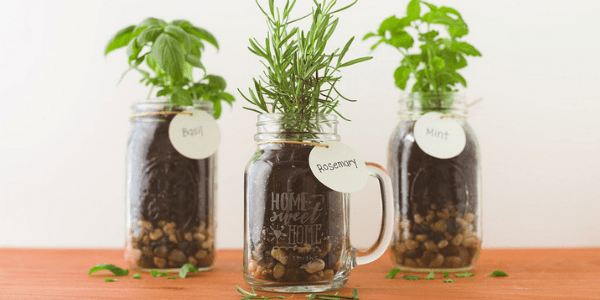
(254, 296)
(431, 57)
(300, 77)
(171, 52)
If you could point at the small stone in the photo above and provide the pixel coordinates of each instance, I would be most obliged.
(328, 274)
(161, 251)
(421, 238)
(160, 262)
(406, 235)
(207, 244)
(156, 234)
(427, 257)
(170, 227)
(430, 216)
(439, 226)
(202, 227)
(305, 249)
(469, 217)
(177, 256)
(293, 275)
(421, 229)
(410, 263)
(452, 262)
(470, 242)
(413, 253)
(161, 223)
(437, 262)
(173, 239)
(136, 254)
(315, 266)
(433, 206)
(405, 224)
(172, 264)
(146, 225)
(280, 255)
(258, 272)
(147, 251)
(325, 248)
(187, 236)
(252, 266)
(457, 240)
(418, 219)
(266, 273)
(278, 271)
(430, 245)
(400, 247)
(336, 266)
(192, 261)
(442, 244)
(443, 214)
(411, 245)
(146, 240)
(463, 254)
(199, 237)
(201, 254)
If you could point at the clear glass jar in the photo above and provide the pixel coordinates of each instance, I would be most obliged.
(296, 229)
(437, 200)
(170, 198)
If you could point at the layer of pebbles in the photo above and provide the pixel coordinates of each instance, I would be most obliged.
(164, 245)
(442, 238)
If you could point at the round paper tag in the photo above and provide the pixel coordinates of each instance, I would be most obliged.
(338, 167)
(195, 136)
(439, 137)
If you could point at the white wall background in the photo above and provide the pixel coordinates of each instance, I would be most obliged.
(64, 121)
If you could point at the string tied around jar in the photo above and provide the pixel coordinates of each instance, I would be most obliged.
(294, 142)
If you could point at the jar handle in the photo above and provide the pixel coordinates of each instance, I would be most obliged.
(387, 218)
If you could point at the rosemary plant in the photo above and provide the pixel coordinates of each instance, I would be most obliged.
(300, 76)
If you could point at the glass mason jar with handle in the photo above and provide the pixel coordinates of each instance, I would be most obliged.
(170, 197)
(434, 161)
(296, 232)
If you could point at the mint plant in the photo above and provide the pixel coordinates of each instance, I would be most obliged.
(300, 77)
(170, 53)
(430, 41)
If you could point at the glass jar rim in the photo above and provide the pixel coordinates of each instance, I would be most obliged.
(160, 102)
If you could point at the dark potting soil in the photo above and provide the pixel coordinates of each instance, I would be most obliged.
(435, 202)
(296, 226)
(171, 199)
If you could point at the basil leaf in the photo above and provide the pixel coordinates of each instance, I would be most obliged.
(203, 35)
(109, 279)
(393, 273)
(157, 273)
(413, 10)
(497, 273)
(181, 97)
(446, 274)
(121, 39)
(430, 276)
(148, 35)
(185, 269)
(109, 267)
(137, 276)
(151, 22)
(466, 274)
(180, 34)
(449, 280)
(411, 277)
(168, 54)
(194, 61)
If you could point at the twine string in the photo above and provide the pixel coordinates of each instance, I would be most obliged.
(162, 113)
(446, 116)
(295, 142)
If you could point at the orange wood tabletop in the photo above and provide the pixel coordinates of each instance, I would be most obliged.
(533, 274)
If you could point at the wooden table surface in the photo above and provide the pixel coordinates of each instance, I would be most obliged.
(534, 274)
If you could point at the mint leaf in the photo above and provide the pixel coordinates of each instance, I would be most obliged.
(497, 273)
(109, 279)
(157, 273)
(448, 280)
(121, 39)
(446, 274)
(109, 267)
(466, 274)
(185, 269)
(355, 294)
(411, 277)
(137, 276)
(393, 273)
(172, 277)
(430, 276)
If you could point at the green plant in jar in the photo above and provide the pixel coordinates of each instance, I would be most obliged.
(171, 160)
(433, 155)
(296, 227)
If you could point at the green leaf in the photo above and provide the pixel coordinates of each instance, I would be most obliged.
(121, 39)
(413, 11)
(446, 274)
(157, 273)
(227, 97)
(172, 277)
(466, 274)
(186, 269)
(151, 22)
(401, 76)
(109, 267)
(401, 40)
(411, 277)
(109, 279)
(438, 62)
(369, 35)
(181, 97)
(203, 35)
(466, 48)
(217, 81)
(355, 61)
(430, 276)
(393, 273)
(217, 108)
(181, 36)
(194, 61)
(449, 280)
(355, 293)
(148, 35)
(137, 276)
(169, 56)
(497, 273)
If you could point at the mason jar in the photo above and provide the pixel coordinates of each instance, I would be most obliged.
(296, 232)
(434, 161)
(170, 197)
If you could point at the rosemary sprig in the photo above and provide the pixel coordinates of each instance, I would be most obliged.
(300, 77)
(252, 295)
